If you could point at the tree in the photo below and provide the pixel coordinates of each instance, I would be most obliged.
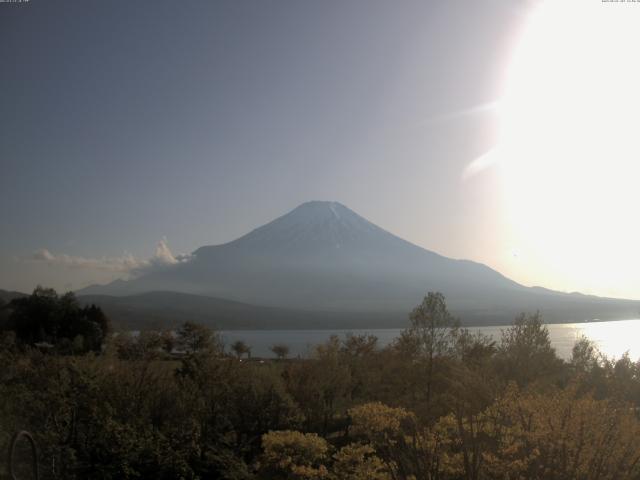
(431, 334)
(193, 338)
(258, 403)
(294, 455)
(585, 356)
(525, 352)
(358, 462)
(472, 388)
(33, 318)
(561, 435)
(147, 345)
(359, 345)
(405, 449)
(4, 314)
(96, 318)
(359, 354)
(320, 386)
(240, 348)
(7, 336)
(280, 350)
(378, 423)
(168, 340)
(59, 320)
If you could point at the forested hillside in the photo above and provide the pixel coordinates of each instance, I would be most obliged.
(439, 403)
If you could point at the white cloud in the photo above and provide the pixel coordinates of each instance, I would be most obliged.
(126, 263)
(163, 254)
(43, 254)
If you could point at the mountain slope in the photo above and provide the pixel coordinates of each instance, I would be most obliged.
(323, 256)
(6, 296)
(159, 310)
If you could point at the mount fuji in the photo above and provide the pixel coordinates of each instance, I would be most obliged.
(323, 257)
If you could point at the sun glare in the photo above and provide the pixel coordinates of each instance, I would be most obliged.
(569, 147)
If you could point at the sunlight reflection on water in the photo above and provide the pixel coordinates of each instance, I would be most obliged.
(612, 338)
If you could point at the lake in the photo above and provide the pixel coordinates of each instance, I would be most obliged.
(612, 338)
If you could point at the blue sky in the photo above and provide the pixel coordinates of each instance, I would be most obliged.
(126, 122)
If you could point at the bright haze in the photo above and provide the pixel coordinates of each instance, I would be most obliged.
(502, 132)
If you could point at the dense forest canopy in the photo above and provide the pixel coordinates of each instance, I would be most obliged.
(439, 403)
(53, 321)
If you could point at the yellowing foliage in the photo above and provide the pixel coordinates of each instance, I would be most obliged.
(295, 455)
(559, 435)
(378, 421)
(358, 462)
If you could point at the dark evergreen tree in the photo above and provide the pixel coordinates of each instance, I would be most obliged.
(46, 317)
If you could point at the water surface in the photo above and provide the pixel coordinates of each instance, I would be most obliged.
(612, 338)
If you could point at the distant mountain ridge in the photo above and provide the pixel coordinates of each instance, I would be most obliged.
(159, 310)
(6, 295)
(323, 257)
